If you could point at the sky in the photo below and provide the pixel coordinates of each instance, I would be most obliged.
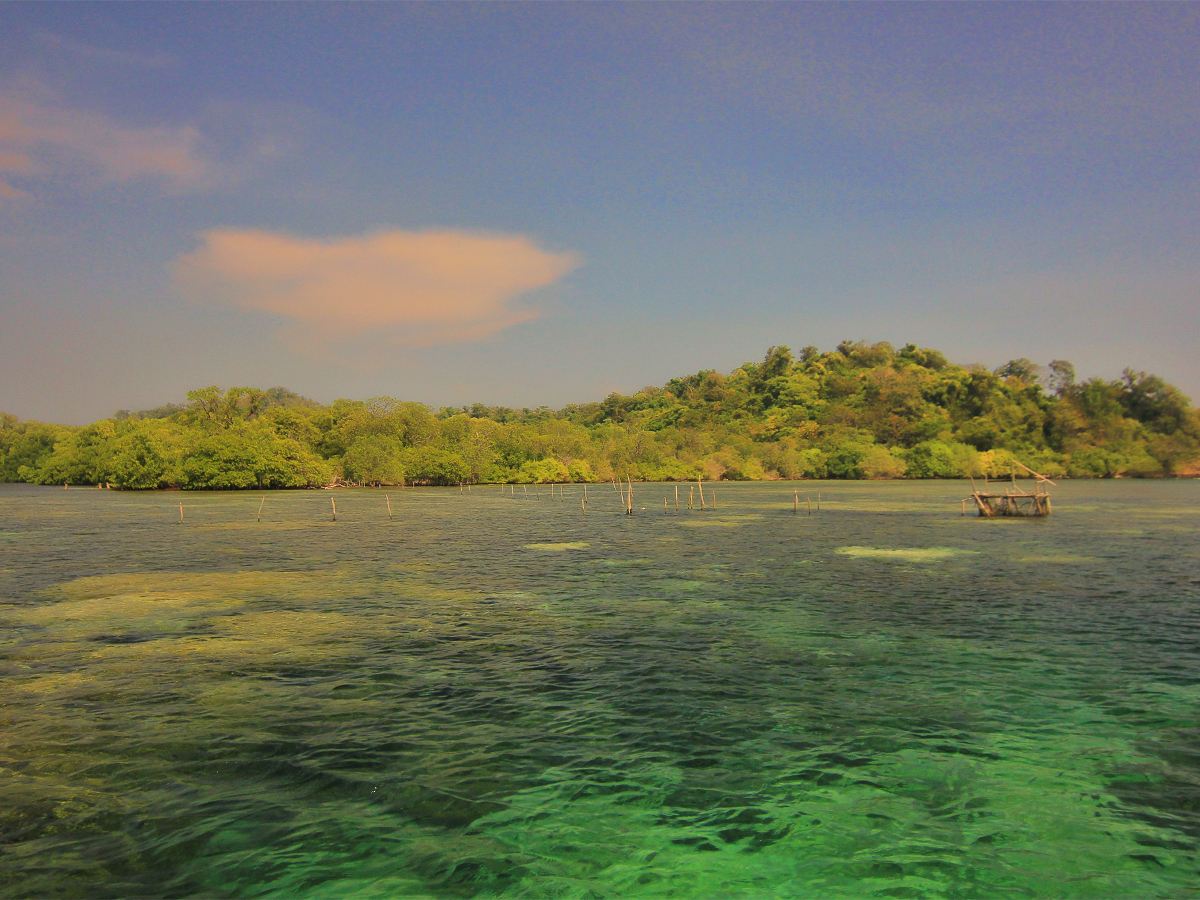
(540, 204)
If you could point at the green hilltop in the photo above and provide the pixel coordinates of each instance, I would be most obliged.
(859, 411)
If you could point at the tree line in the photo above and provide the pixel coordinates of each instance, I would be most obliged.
(859, 411)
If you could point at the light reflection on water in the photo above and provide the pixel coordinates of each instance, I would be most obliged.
(491, 695)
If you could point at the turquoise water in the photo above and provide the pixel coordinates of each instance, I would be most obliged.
(494, 696)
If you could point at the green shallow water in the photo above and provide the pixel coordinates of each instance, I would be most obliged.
(493, 696)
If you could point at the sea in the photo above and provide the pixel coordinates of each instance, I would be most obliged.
(804, 689)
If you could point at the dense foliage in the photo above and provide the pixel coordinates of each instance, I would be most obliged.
(860, 411)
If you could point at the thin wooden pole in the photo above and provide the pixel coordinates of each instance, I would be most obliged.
(700, 485)
(714, 496)
(525, 488)
(180, 512)
(964, 506)
(629, 498)
(691, 494)
(809, 499)
(795, 502)
(334, 502)
(388, 501)
(260, 506)
(818, 501)
(676, 498)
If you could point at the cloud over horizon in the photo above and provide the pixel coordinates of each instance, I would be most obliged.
(414, 288)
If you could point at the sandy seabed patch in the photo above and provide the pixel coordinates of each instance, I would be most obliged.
(905, 554)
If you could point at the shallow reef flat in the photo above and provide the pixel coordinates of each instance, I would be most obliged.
(493, 696)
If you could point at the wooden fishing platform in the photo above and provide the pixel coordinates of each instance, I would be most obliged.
(1014, 501)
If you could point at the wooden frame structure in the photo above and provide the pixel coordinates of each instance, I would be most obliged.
(1014, 501)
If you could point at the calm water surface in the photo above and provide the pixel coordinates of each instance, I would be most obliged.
(494, 696)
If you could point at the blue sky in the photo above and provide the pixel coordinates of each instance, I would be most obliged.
(540, 204)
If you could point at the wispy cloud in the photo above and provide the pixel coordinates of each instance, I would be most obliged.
(396, 287)
(15, 162)
(82, 50)
(8, 192)
(43, 139)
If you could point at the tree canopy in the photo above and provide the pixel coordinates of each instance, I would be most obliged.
(859, 411)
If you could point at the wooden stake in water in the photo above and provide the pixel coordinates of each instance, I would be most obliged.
(180, 512)
(795, 503)
(809, 499)
(629, 498)
(334, 502)
(691, 494)
(700, 487)
(388, 501)
(260, 506)
(676, 498)
(525, 488)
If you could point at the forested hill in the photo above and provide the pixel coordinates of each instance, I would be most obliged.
(860, 411)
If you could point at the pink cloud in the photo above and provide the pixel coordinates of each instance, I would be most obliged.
(16, 162)
(8, 192)
(416, 288)
(40, 134)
